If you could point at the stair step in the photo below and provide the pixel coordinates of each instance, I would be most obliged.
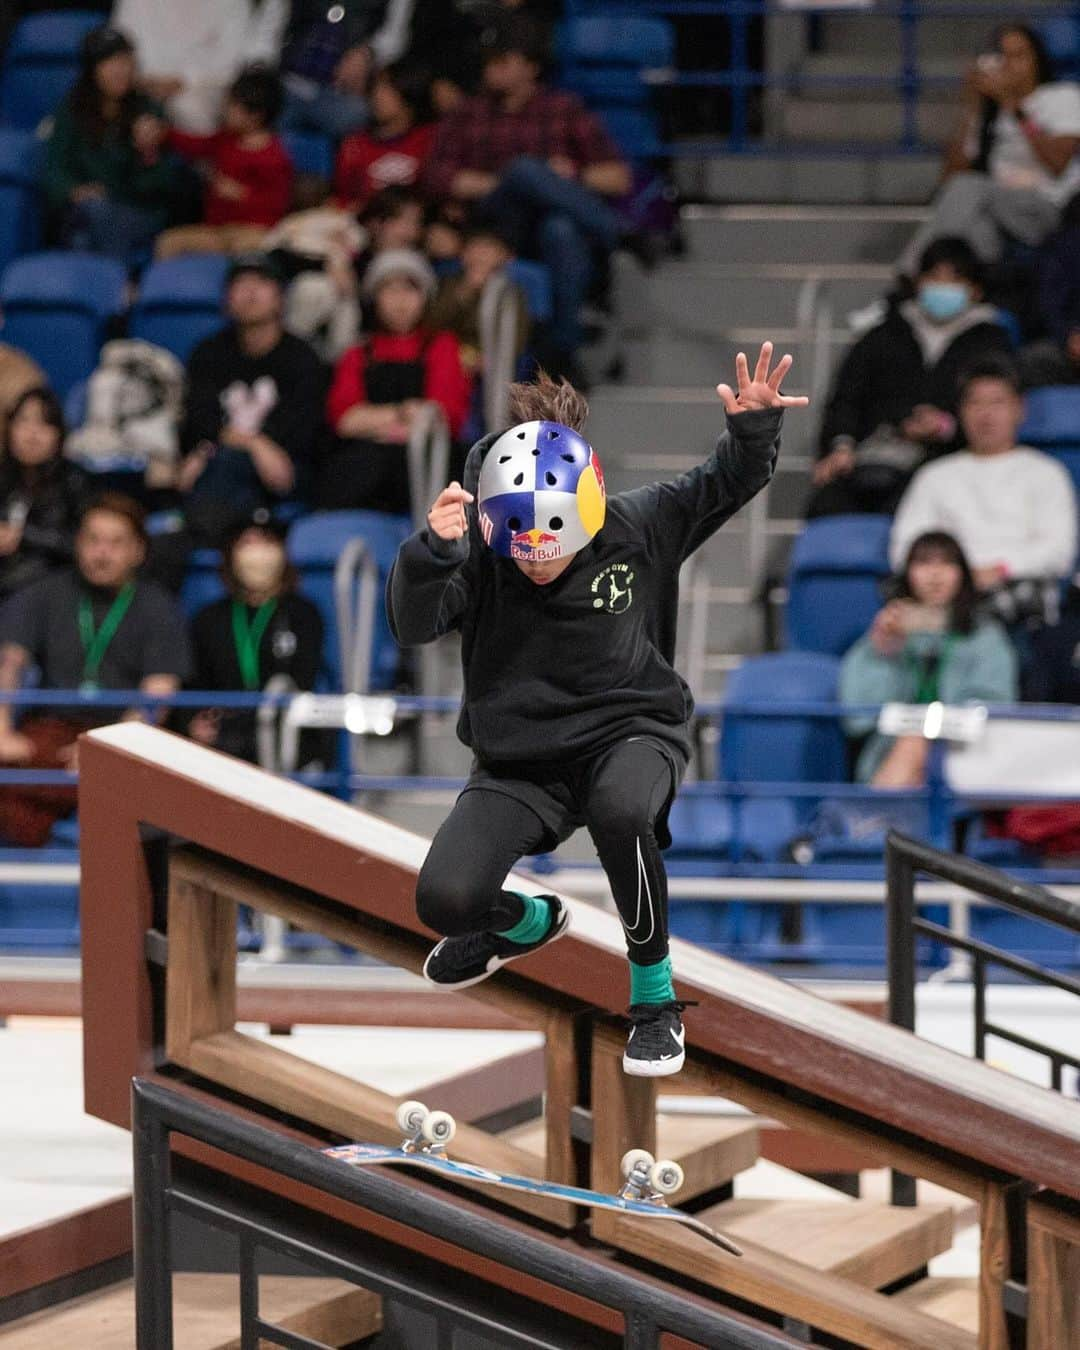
(803, 176)
(692, 296)
(864, 120)
(954, 1299)
(861, 1240)
(711, 1150)
(794, 234)
(206, 1314)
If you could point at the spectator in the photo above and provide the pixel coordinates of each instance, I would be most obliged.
(380, 386)
(107, 183)
(927, 644)
(537, 162)
(190, 52)
(254, 407)
(1012, 509)
(394, 218)
(249, 187)
(1011, 168)
(893, 403)
(261, 630)
(41, 493)
(97, 625)
(330, 53)
(393, 151)
(458, 302)
(1055, 359)
(1054, 673)
(18, 373)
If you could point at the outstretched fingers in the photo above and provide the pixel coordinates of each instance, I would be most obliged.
(782, 368)
(761, 371)
(728, 398)
(742, 372)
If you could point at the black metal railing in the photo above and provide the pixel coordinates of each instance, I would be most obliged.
(261, 1222)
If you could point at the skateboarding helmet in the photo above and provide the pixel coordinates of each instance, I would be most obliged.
(541, 493)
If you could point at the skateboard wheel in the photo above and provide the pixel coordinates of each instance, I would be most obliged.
(439, 1127)
(637, 1157)
(666, 1177)
(411, 1116)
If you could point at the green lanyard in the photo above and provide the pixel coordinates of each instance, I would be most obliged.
(96, 642)
(928, 674)
(248, 636)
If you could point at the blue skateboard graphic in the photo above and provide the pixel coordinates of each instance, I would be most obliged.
(647, 1182)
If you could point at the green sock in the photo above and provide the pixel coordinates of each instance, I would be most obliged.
(651, 984)
(533, 924)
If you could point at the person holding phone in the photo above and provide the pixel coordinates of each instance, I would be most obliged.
(927, 644)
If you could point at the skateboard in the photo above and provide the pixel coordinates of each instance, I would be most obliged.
(646, 1184)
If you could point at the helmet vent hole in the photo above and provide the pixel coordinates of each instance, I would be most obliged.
(514, 523)
(553, 435)
(550, 478)
(521, 435)
(569, 458)
(519, 480)
(504, 459)
(536, 454)
(556, 522)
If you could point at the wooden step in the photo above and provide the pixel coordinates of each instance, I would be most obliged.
(954, 1299)
(710, 1149)
(861, 1240)
(206, 1315)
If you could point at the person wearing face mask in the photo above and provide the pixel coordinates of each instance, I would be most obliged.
(261, 630)
(894, 403)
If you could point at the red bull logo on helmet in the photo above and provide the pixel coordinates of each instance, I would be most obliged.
(535, 546)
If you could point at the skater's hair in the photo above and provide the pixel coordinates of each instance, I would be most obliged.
(963, 610)
(547, 400)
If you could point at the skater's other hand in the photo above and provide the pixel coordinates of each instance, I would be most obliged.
(447, 516)
(763, 391)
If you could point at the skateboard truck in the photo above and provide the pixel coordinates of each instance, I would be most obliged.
(649, 1180)
(425, 1131)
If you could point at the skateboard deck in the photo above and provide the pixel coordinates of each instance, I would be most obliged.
(369, 1155)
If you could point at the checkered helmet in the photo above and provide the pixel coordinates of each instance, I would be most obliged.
(541, 493)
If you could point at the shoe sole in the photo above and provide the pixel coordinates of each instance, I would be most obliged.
(660, 1068)
(500, 961)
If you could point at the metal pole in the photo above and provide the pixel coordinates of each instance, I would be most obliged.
(152, 1258)
(900, 902)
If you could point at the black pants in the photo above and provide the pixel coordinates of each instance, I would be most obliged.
(621, 796)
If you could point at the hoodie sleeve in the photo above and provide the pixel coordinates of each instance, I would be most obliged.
(429, 588)
(680, 514)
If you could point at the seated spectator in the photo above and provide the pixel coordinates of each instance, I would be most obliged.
(893, 403)
(1012, 509)
(261, 630)
(108, 186)
(457, 307)
(1011, 167)
(444, 236)
(394, 218)
(190, 53)
(379, 387)
(254, 407)
(250, 176)
(41, 493)
(927, 645)
(328, 58)
(393, 150)
(18, 373)
(537, 162)
(1055, 359)
(1054, 673)
(97, 625)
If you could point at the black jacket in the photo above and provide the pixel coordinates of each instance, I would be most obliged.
(561, 671)
(52, 506)
(885, 375)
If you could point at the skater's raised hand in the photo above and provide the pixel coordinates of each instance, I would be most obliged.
(447, 516)
(763, 391)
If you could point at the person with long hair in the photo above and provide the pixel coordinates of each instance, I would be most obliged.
(1012, 165)
(108, 184)
(928, 644)
(41, 493)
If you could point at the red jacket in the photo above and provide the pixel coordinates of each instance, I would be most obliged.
(445, 379)
(266, 174)
(367, 163)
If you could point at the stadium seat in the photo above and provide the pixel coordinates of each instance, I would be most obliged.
(57, 307)
(605, 57)
(834, 581)
(534, 280)
(35, 917)
(315, 544)
(20, 210)
(634, 130)
(309, 152)
(1061, 34)
(1053, 416)
(202, 583)
(1043, 943)
(179, 303)
(40, 65)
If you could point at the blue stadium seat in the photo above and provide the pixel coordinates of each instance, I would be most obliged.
(634, 130)
(534, 280)
(834, 581)
(1061, 34)
(1053, 416)
(315, 543)
(39, 918)
(309, 152)
(1043, 943)
(179, 303)
(40, 65)
(202, 583)
(836, 934)
(57, 307)
(20, 209)
(712, 924)
(605, 56)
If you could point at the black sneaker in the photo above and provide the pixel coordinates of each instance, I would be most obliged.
(460, 961)
(655, 1045)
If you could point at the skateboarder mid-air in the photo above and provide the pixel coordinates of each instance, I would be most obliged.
(566, 602)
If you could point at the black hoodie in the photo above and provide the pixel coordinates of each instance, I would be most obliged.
(561, 672)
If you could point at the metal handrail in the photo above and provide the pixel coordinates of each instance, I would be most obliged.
(498, 342)
(428, 455)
